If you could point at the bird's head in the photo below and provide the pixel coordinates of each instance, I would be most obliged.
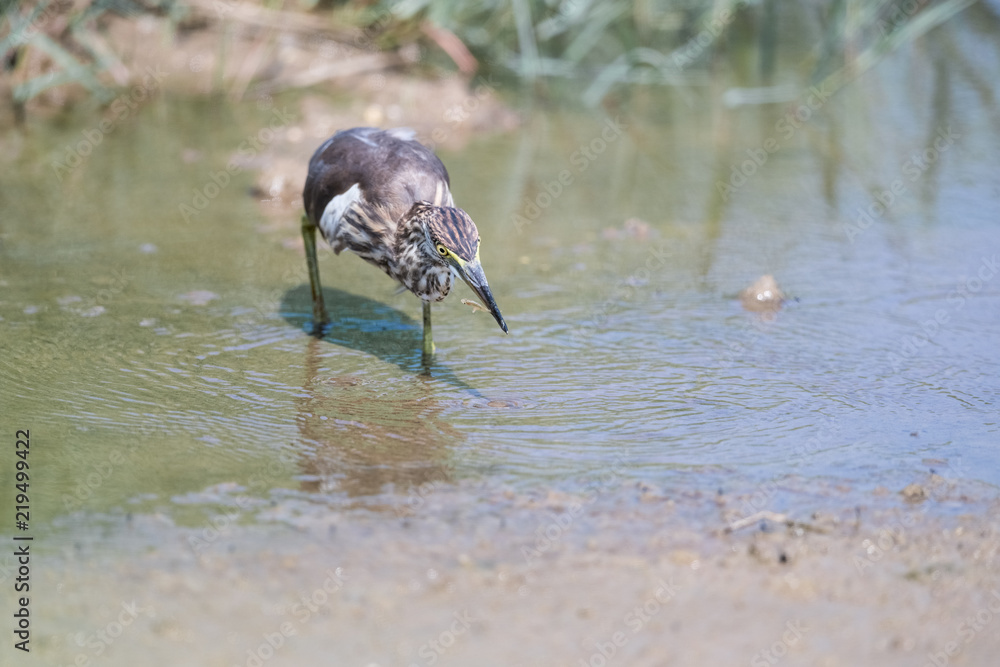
(451, 239)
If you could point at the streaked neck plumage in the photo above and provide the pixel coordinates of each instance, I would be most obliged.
(415, 263)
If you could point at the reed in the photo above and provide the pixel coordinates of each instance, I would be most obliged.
(602, 43)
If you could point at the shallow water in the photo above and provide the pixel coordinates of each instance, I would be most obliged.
(154, 358)
(195, 453)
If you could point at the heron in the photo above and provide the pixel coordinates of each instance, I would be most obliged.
(386, 197)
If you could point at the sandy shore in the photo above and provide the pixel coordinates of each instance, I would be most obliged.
(467, 574)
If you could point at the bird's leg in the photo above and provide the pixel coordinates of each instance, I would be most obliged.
(428, 335)
(319, 308)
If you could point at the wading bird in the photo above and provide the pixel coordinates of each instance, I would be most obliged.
(384, 196)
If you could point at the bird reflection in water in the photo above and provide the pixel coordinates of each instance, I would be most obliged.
(368, 439)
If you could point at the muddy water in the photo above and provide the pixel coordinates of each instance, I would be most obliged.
(161, 363)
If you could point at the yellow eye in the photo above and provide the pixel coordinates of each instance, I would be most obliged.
(441, 249)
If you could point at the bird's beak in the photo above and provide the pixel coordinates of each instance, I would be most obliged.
(473, 275)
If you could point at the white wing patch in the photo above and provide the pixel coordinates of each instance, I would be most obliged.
(442, 195)
(335, 210)
(404, 133)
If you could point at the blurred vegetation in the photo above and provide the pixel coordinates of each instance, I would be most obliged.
(611, 42)
(603, 43)
(65, 37)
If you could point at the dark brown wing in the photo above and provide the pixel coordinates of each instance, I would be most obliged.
(391, 168)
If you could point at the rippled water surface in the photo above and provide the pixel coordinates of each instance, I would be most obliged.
(152, 357)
